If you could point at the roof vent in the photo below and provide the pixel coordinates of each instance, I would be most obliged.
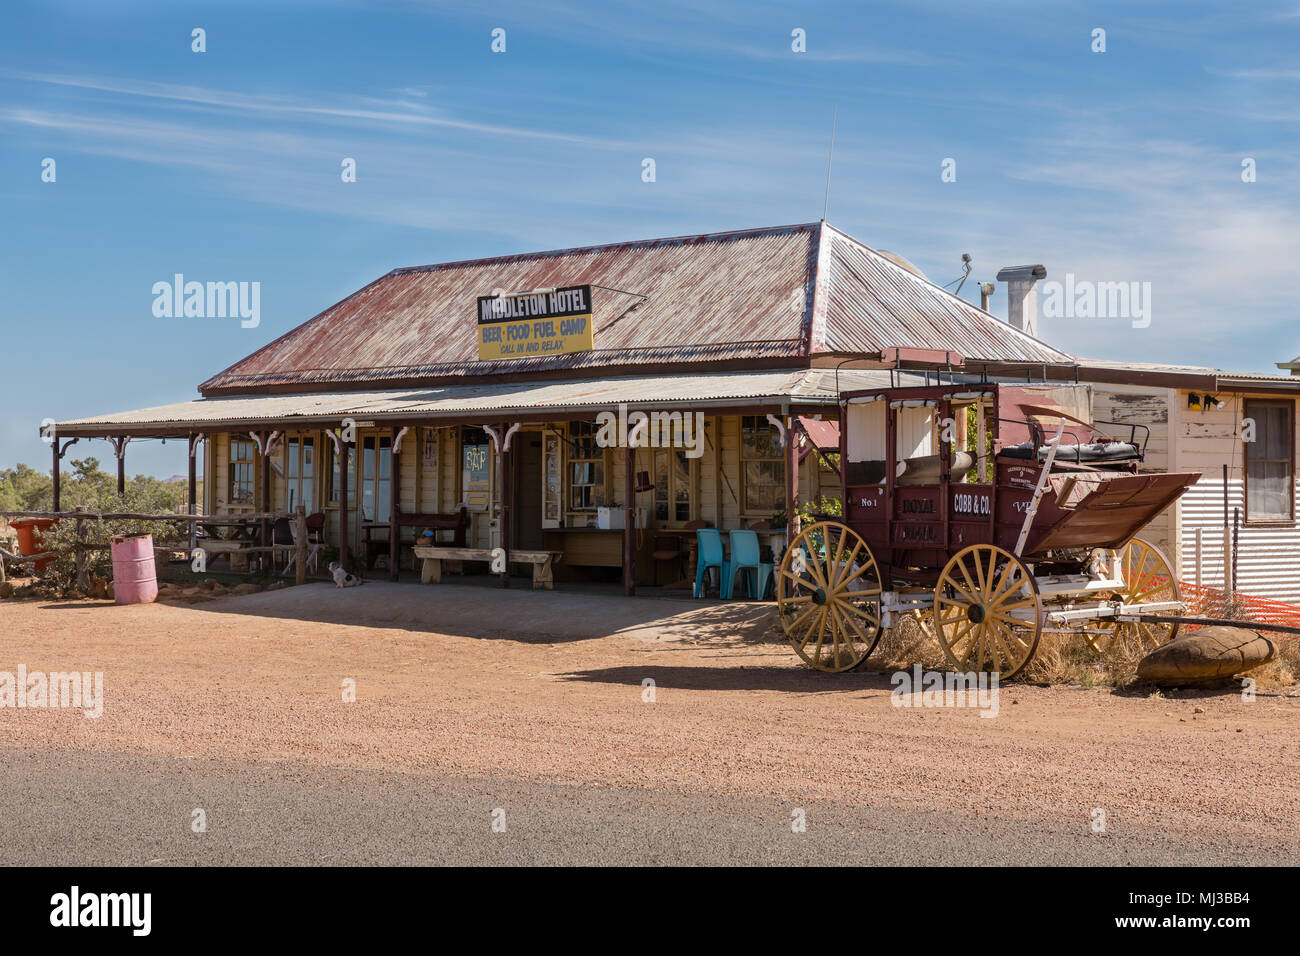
(898, 260)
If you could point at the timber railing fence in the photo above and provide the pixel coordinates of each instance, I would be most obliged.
(83, 517)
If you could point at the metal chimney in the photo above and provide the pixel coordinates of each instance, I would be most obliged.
(1022, 298)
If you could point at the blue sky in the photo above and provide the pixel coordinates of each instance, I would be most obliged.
(225, 165)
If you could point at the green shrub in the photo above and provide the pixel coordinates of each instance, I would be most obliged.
(24, 489)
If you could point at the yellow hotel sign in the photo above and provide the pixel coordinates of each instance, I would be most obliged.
(534, 324)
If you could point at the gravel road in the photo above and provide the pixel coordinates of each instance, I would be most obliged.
(469, 699)
(77, 809)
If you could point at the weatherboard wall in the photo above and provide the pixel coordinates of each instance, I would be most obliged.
(1268, 556)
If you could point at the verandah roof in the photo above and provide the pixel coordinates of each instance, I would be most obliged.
(488, 402)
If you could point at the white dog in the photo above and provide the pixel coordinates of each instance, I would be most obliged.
(342, 579)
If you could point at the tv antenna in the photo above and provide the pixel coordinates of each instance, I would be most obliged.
(965, 273)
(830, 156)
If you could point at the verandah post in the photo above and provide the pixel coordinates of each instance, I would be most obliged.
(120, 449)
(629, 521)
(504, 495)
(267, 561)
(344, 561)
(791, 483)
(192, 492)
(60, 449)
(395, 489)
(54, 445)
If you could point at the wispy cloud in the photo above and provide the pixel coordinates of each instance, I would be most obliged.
(1256, 73)
(822, 55)
(548, 193)
(380, 111)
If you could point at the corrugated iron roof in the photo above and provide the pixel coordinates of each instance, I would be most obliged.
(1288, 381)
(708, 297)
(1146, 366)
(690, 391)
(758, 294)
(872, 299)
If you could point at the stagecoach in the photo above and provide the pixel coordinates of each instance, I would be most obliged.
(991, 513)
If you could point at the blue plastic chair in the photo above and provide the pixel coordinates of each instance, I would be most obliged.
(708, 549)
(746, 557)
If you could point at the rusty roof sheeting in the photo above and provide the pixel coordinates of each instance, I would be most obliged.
(1221, 376)
(872, 299)
(726, 295)
(824, 435)
(758, 294)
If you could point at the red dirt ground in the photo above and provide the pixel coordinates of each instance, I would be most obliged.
(548, 686)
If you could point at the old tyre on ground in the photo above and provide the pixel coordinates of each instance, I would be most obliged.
(828, 593)
(987, 612)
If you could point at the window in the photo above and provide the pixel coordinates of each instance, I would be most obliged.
(586, 468)
(241, 471)
(300, 471)
(376, 480)
(762, 470)
(1270, 462)
(672, 486)
(915, 432)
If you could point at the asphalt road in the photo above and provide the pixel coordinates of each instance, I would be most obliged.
(73, 808)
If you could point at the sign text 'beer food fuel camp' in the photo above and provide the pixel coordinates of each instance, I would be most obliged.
(535, 323)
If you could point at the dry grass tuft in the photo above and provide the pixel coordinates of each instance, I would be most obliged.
(1284, 670)
(1066, 658)
(1061, 658)
(905, 645)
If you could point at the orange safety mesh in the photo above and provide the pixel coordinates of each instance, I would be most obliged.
(1211, 602)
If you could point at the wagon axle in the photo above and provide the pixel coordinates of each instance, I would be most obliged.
(1210, 622)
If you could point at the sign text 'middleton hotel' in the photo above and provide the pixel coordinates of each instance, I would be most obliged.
(552, 322)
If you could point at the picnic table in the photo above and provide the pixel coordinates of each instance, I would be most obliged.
(243, 534)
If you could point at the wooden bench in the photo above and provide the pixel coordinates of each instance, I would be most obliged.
(457, 523)
(431, 570)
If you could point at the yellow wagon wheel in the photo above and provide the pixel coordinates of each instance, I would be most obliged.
(828, 592)
(987, 612)
(1147, 577)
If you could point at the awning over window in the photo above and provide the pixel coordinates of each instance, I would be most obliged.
(824, 436)
(819, 438)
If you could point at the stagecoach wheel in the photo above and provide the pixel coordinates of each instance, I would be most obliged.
(828, 593)
(1147, 577)
(987, 613)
